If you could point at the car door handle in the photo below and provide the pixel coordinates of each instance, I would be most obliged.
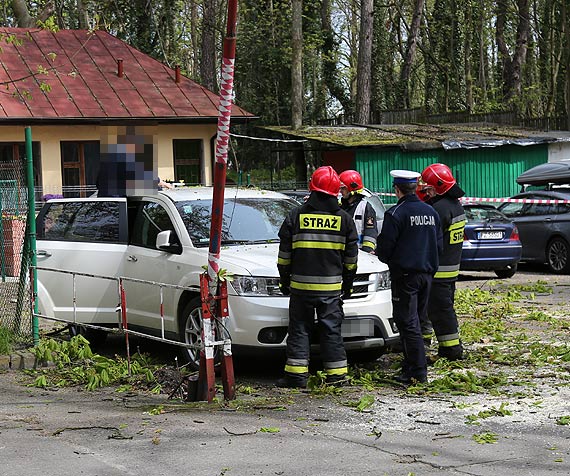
(548, 219)
(132, 258)
(43, 253)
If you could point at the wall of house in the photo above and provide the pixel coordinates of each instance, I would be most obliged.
(49, 138)
(558, 151)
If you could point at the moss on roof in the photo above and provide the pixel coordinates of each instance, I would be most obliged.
(407, 136)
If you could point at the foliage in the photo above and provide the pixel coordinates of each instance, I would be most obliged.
(501, 411)
(563, 420)
(486, 438)
(75, 364)
(459, 64)
(6, 340)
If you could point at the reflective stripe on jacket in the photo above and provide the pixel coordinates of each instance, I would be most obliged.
(365, 220)
(318, 251)
(452, 217)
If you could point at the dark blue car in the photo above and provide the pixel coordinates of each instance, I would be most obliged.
(491, 241)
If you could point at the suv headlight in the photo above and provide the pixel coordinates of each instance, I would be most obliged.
(383, 281)
(256, 286)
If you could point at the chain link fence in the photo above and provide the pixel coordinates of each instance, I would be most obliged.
(15, 306)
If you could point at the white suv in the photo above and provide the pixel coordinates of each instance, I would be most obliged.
(164, 238)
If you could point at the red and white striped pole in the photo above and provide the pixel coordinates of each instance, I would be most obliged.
(218, 304)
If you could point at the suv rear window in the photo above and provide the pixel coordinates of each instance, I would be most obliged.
(82, 221)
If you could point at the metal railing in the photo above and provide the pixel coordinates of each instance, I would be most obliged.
(121, 309)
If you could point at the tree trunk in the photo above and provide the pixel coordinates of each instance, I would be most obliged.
(330, 53)
(411, 46)
(208, 56)
(364, 68)
(467, 65)
(23, 17)
(83, 19)
(297, 64)
(512, 66)
(565, 12)
(195, 62)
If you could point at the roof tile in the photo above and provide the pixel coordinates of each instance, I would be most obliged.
(83, 77)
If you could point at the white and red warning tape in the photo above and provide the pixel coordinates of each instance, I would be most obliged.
(501, 200)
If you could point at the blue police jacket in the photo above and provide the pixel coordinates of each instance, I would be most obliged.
(411, 237)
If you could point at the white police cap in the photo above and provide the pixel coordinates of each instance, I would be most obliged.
(404, 176)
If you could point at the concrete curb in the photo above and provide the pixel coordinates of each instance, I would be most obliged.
(18, 360)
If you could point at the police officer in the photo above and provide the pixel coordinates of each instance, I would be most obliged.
(409, 244)
(444, 196)
(355, 204)
(317, 263)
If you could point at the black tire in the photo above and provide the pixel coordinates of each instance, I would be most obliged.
(95, 337)
(508, 272)
(190, 332)
(558, 256)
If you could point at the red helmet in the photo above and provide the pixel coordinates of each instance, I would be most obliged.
(439, 176)
(325, 180)
(352, 180)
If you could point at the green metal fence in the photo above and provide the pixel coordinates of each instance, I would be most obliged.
(15, 311)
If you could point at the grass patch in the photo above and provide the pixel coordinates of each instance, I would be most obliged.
(6, 341)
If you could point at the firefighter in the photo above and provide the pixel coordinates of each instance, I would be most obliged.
(356, 205)
(441, 312)
(409, 244)
(317, 263)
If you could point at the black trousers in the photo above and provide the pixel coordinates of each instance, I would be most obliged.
(410, 293)
(329, 321)
(441, 312)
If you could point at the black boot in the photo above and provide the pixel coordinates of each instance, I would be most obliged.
(451, 353)
(406, 379)
(291, 382)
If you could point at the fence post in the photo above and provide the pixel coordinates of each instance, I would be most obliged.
(32, 229)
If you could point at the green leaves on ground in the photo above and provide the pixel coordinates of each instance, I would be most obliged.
(486, 438)
(563, 420)
(75, 364)
(493, 411)
(365, 402)
(269, 429)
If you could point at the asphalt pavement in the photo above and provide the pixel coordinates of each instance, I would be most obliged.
(270, 431)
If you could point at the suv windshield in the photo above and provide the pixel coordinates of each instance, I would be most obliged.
(246, 220)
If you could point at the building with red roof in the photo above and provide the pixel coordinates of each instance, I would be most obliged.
(79, 89)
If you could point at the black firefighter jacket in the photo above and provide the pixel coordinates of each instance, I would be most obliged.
(318, 251)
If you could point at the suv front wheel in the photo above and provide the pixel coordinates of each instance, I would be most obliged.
(558, 255)
(190, 332)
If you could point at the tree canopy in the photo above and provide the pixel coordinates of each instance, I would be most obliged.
(439, 55)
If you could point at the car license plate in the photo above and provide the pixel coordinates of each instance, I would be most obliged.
(490, 235)
(357, 328)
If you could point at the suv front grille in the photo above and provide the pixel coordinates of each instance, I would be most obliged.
(361, 286)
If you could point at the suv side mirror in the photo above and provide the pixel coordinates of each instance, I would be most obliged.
(168, 241)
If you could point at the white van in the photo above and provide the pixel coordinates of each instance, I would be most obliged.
(164, 238)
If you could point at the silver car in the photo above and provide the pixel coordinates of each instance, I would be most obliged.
(164, 238)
